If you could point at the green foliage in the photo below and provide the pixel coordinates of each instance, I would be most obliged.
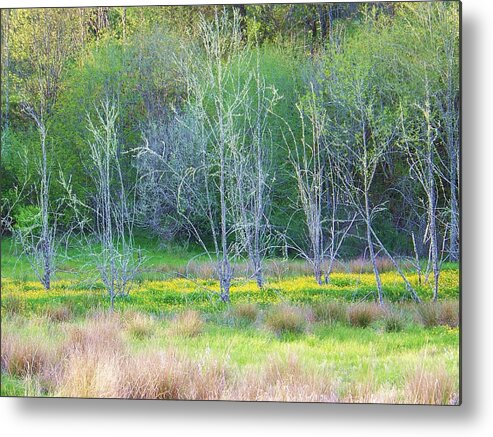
(382, 54)
(27, 217)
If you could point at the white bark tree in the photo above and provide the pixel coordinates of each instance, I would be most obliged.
(112, 206)
(361, 133)
(217, 98)
(253, 175)
(41, 248)
(319, 191)
(420, 146)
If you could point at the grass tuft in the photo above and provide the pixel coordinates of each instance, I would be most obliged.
(139, 325)
(431, 388)
(284, 319)
(330, 312)
(449, 313)
(364, 314)
(12, 305)
(187, 324)
(60, 313)
(24, 357)
(246, 312)
(393, 321)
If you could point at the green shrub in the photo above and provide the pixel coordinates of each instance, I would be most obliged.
(27, 217)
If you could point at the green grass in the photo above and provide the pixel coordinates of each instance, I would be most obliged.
(159, 259)
(350, 355)
(377, 362)
(11, 386)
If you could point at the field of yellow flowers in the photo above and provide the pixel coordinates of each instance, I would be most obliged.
(172, 338)
(169, 295)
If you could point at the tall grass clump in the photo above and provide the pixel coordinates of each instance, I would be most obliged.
(59, 313)
(449, 313)
(393, 320)
(431, 388)
(187, 324)
(24, 357)
(285, 378)
(139, 325)
(246, 312)
(428, 314)
(432, 314)
(363, 315)
(330, 312)
(12, 305)
(285, 319)
(100, 332)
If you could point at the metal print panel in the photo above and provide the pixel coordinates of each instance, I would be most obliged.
(239, 202)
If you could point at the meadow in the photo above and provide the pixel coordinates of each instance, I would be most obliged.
(172, 338)
(178, 182)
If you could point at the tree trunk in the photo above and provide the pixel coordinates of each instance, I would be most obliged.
(322, 15)
(45, 231)
(371, 249)
(374, 264)
(225, 276)
(454, 211)
(433, 225)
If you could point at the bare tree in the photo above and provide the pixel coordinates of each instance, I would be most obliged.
(308, 164)
(253, 175)
(113, 207)
(319, 192)
(41, 249)
(420, 144)
(361, 134)
(217, 95)
(49, 39)
(447, 101)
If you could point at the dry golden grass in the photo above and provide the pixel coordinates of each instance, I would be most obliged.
(139, 325)
(449, 313)
(26, 356)
(61, 313)
(94, 358)
(99, 333)
(186, 324)
(147, 375)
(283, 318)
(284, 379)
(431, 387)
(432, 314)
